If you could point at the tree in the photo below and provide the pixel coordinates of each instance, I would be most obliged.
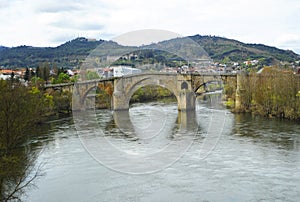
(63, 78)
(27, 74)
(226, 60)
(20, 109)
(90, 75)
(43, 71)
(38, 72)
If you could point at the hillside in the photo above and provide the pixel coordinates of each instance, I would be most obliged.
(69, 54)
(72, 53)
(2, 48)
(219, 48)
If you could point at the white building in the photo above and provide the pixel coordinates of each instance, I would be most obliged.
(119, 71)
(5, 77)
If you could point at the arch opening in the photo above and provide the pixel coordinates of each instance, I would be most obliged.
(99, 96)
(103, 97)
(184, 85)
(211, 86)
(149, 93)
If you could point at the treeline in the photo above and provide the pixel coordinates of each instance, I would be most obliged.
(20, 109)
(158, 58)
(48, 73)
(273, 93)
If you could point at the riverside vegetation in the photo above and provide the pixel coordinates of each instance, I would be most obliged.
(22, 108)
(272, 93)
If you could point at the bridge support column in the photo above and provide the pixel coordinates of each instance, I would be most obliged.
(120, 101)
(186, 97)
(119, 98)
(186, 100)
(76, 99)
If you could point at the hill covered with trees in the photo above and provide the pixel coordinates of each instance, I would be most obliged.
(72, 53)
(66, 55)
(219, 48)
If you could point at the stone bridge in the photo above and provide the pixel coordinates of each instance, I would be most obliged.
(183, 86)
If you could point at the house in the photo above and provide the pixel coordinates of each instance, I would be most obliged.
(121, 70)
(251, 62)
(4, 77)
(107, 72)
(7, 73)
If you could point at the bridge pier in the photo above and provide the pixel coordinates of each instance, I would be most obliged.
(186, 100)
(186, 96)
(120, 101)
(76, 98)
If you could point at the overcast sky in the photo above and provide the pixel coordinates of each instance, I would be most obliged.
(53, 22)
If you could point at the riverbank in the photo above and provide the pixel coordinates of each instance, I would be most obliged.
(270, 94)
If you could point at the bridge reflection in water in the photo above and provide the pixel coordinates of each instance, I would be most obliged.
(186, 122)
(147, 145)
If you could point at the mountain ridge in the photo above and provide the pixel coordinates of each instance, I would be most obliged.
(71, 53)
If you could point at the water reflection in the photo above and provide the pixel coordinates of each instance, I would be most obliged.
(18, 167)
(187, 120)
(282, 134)
(146, 124)
(147, 138)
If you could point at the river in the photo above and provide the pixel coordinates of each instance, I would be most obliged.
(213, 156)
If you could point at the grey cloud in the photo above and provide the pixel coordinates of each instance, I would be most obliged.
(72, 24)
(56, 6)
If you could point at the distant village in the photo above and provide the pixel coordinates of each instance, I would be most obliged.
(201, 66)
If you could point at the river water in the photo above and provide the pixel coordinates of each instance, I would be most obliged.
(155, 153)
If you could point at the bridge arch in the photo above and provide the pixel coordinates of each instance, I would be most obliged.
(125, 87)
(148, 82)
(200, 80)
(206, 83)
(86, 93)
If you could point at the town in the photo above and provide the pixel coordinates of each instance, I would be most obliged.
(71, 74)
